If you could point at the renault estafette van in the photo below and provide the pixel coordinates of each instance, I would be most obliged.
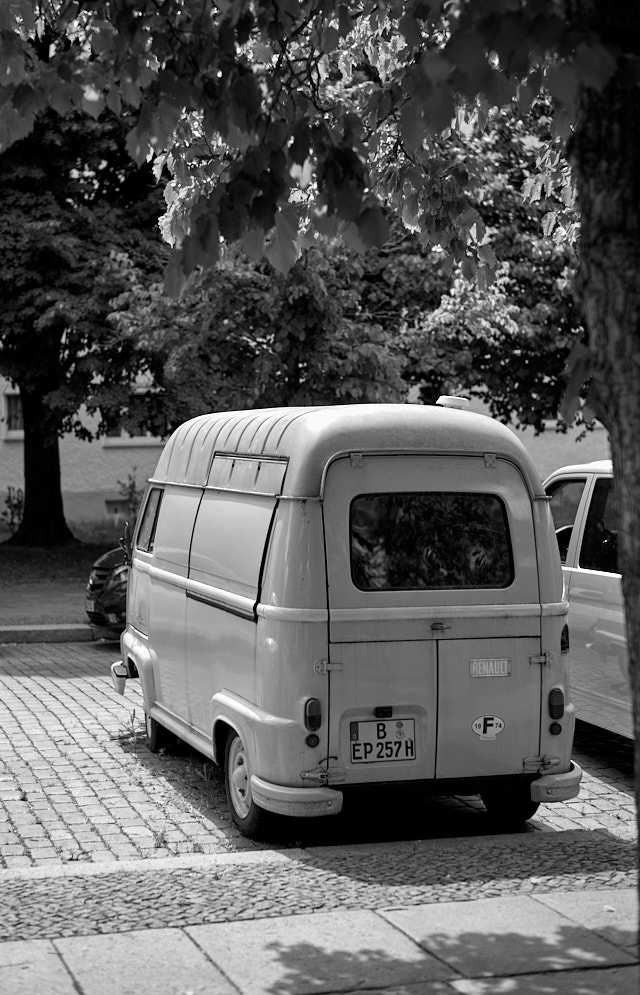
(585, 513)
(369, 595)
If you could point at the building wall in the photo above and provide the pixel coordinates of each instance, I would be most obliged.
(90, 471)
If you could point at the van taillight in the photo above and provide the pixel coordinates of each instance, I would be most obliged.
(564, 640)
(312, 714)
(556, 703)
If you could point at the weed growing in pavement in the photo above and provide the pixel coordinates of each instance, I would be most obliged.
(160, 840)
(129, 731)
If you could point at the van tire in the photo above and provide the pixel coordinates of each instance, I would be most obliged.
(510, 809)
(158, 738)
(247, 816)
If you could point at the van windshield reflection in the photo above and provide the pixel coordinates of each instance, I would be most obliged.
(428, 541)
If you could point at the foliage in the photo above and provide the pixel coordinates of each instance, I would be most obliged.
(74, 210)
(281, 121)
(132, 493)
(14, 507)
(245, 336)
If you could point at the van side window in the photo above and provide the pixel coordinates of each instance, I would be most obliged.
(229, 540)
(147, 530)
(565, 498)
(427, 541)
(599, 549)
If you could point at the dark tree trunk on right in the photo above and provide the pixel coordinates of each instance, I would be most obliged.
(606, 158)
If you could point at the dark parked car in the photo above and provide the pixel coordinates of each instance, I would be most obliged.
(106, 595)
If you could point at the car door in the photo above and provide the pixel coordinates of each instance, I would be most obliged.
(596, 616)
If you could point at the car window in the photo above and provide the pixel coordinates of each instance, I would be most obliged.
(427, 541)
(565, 498)
(147, 530)
(599, 550)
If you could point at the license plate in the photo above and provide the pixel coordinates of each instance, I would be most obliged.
(381, 741)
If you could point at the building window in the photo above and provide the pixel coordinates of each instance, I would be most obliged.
(14, 423)
(117, 435)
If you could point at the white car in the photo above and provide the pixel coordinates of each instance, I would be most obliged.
(586, 521)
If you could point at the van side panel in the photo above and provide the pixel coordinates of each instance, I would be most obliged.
(287, 651)
(229, 540)
(294, 573)
(167, 596)
(221, 652)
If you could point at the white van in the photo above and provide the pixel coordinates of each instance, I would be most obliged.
(585, 512)
(330, 597)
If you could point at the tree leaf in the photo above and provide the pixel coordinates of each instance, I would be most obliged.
(594, 64)
(281, 253)
(409, 27)
(330, 39)
(373, 227)
(562, 82)
(92, 101)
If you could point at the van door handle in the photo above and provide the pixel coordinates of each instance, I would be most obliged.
(439, 626)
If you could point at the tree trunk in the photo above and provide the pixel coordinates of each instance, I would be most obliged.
(606, 158)
(43, 521)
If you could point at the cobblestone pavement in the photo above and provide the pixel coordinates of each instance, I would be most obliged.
(77, 782)
(188, 891)
(98, 835)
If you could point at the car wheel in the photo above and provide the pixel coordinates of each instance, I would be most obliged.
(158, 738)
(510, 809)
(248, 817)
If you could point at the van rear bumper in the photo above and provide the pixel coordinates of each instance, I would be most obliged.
(298, 802)
(557, 787)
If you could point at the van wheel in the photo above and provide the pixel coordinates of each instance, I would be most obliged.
(247, 816)
(158, 738)
(510, 809)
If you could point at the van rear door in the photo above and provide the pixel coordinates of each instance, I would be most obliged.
(434, 617)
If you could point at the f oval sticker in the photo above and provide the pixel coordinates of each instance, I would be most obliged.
(487, 726)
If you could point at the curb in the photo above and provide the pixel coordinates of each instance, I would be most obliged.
(59, 632)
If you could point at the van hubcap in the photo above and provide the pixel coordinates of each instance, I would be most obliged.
(239, 778)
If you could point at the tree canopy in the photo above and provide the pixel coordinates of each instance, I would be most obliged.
(281, 119)
(75, 214)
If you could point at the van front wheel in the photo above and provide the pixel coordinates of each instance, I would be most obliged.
(247, 816)
(510, 809)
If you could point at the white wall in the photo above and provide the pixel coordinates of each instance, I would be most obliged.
(90, 471)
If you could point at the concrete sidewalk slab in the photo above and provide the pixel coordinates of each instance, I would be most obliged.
(609, 981)
(478, 947)
(141, 963)
(59, 632)
(611, 913)
(327, 952)
(520, 933)
(26, 968)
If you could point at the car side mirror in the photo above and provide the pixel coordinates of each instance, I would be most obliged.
(124, 542)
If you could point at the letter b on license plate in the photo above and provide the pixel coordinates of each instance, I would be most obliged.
(381, 741)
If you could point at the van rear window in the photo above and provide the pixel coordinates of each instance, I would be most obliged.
(426, 541)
